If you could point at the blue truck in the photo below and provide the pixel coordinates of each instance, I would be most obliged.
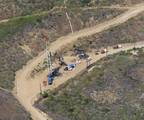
(50, 79)
(52, 75)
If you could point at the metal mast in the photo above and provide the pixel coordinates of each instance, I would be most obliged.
(48, 54)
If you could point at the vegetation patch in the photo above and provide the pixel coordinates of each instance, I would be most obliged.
(104, 96)
(84, 3)
(17, 24)
(10, 108)
(13, 8)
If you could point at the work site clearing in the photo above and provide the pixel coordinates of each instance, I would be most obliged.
(37, 81)
(28, 89)
(50, 68)
(76, 64)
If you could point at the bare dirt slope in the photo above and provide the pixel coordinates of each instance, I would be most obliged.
(27, 88)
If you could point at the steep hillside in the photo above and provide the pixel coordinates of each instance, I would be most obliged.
(112, 91)
(10, 109)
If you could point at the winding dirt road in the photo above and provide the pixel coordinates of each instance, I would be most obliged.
(27, 88)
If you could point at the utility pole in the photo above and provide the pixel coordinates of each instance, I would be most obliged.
(48, 54)
(71, 27)
(106, 51)
(40, 88)
(65, 1)
(69, 22)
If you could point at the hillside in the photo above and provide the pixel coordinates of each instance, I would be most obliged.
(112, 91)
(26, 25)
(129, 32)
(13, 8)
(10, 108)
(81, 3)
(22, 38)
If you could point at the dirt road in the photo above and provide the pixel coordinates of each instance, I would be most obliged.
(27, 88)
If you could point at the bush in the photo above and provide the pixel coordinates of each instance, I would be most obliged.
(44, 94)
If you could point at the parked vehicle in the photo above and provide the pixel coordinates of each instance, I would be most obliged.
(70, 67)
(104, 51)
(52, 75)
(81, 53)
(83, 56)
(50, 79)
(117, 46)
(97, 52)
